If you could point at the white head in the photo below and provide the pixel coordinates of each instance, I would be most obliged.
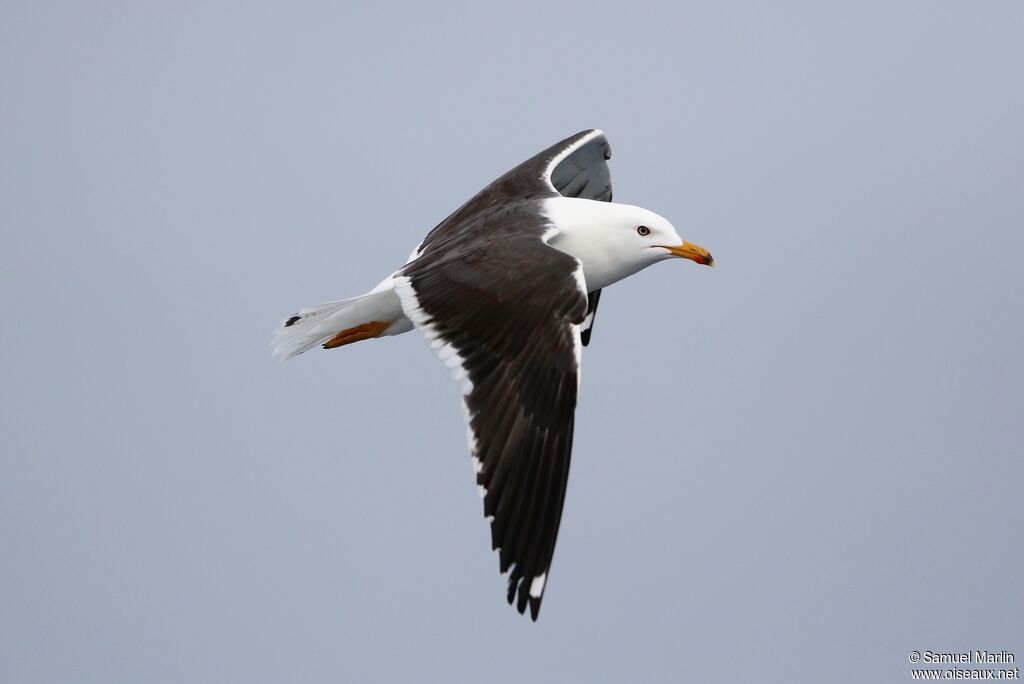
(614, 241)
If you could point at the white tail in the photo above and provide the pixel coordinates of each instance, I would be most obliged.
(310, 327)
(373, 314)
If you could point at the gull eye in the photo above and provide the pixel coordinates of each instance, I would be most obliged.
(643, 231)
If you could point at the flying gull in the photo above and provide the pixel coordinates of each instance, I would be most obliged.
(505, 290)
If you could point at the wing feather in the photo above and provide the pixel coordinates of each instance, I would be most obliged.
(510, 319)
(509, 314)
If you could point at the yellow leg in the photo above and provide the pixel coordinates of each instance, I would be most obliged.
(363, 331)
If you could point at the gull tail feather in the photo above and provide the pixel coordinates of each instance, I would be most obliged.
(334, 324)
(313, 326)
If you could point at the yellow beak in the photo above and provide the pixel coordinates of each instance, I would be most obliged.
(693, 252)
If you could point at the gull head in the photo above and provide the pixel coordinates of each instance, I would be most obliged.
(614, 241)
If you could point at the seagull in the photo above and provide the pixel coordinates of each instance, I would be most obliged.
(505, 291)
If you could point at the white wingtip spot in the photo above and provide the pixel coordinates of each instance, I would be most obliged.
(481, 490)
(537, 585)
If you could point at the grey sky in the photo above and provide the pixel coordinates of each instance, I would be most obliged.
(798, 466)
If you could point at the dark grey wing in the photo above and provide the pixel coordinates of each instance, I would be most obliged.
(505, 318)
(584, 171)
(574, 167)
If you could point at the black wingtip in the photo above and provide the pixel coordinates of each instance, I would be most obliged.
(524, 596)
(519, 598)
(292, 321)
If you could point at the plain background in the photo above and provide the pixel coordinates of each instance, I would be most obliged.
(798, 466)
